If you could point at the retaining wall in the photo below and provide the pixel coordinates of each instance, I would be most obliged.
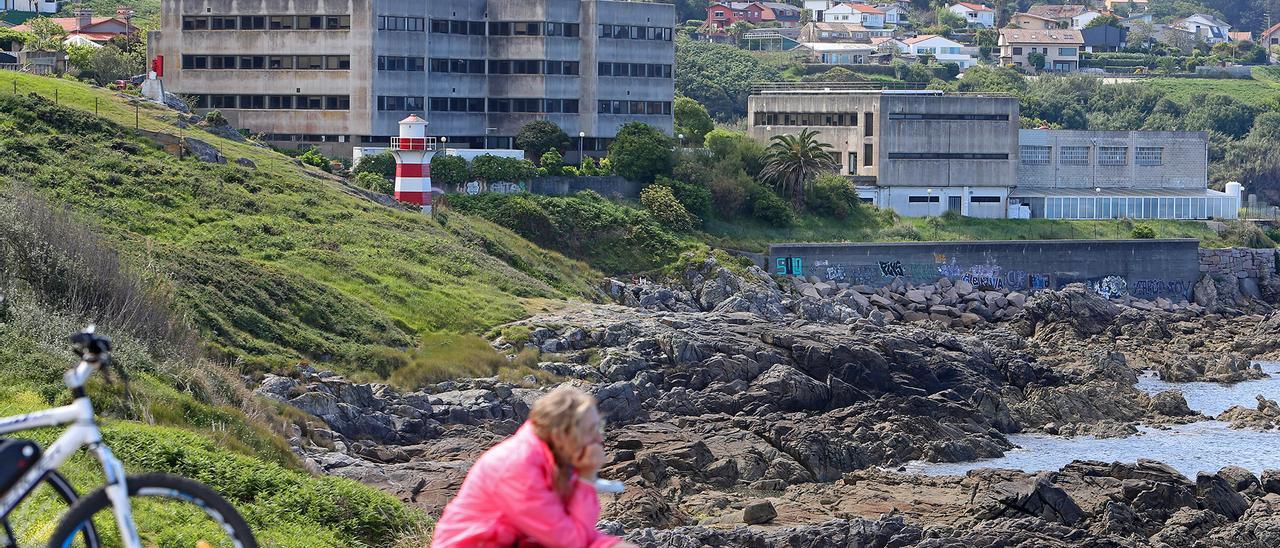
(611, 186)
(1239, 262)
(1144, 269)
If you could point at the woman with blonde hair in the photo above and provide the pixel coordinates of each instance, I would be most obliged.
(536, 487)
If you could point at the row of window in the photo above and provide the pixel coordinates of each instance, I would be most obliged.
(948, 117)
(479, 28)
(635, 70)
(267, 22)
(274, 102)
(1108, 207)
(1062, 52)
(401, 64)
(1079, 155)
(267, 62)
(534, 28)
(808, 119)
(635, 32)
(930, 199)
(635, 107)
(478, 104)
(533, 66)
(393, 22)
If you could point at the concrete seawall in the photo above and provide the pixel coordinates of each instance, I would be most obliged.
(1115, 268)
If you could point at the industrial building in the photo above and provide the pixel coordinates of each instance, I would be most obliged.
(339, 74)
(917, 152)
(924, 152)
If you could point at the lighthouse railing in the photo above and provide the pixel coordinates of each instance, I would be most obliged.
(413, 143)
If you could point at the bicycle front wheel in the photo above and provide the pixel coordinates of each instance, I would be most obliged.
(168, 510)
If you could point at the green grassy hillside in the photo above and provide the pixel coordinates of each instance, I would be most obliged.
(1264, 88)
(276, 263)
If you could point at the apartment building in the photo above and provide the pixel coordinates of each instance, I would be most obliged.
(341, 73)
(918, 152)
(1060, 48)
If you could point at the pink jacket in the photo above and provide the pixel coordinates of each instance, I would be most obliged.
(509, 499)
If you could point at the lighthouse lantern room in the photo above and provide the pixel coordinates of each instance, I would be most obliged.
(413, 150)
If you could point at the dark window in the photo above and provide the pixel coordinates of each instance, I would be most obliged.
(222, 101)
(280, 62)
(253, 101)
(866, 154)
(280, 102)
(946, 156)
(1017, 51)
(337, 22)
(867, 121)
(195, 23)
(253, 22)
(253, 62)
(947, 117)
(282, 22)
(923, 199)
(310, 62)
(222, 23)
(984, 199)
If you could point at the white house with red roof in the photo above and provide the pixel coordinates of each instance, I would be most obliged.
(98, 30)
(31, 6)
(1270, 39)
(863, 14)
(977, 15)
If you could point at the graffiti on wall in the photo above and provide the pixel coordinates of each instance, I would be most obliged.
(1146, 289)
(892, 268)
(1109, 286)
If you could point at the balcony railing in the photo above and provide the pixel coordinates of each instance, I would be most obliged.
(413, 143)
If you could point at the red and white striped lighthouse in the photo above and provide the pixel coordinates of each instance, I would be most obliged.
(413, 150)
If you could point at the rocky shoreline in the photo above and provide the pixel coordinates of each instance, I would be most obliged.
(732, 396)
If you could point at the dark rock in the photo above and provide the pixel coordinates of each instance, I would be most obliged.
(1271, 481)
(245, 162)
(1219, 496)
(203, 151)
(757, 512)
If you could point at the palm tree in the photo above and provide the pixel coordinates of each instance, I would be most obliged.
(792, 161)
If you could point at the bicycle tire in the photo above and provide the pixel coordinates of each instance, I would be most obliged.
(157, 485)
(68, 494)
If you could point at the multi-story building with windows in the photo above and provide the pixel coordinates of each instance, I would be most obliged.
(342, 73)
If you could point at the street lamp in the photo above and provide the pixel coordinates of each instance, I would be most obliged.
(1097, 209)
(681, 140)
(582, 136)
(929, 200)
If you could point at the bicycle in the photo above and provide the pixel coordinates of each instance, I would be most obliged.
(33, 467)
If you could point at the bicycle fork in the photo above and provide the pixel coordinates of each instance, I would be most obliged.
(117, 490)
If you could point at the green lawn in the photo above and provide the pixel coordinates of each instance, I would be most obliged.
(1264, 87)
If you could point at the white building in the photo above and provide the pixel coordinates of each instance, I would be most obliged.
(976, 15)
(37, 6)
(894, 14)
(942, 49)
(1208, 28)
(862, 14)
(839, 53)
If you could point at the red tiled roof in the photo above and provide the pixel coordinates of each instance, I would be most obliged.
(865, 8)
(72, 24)
(1274, 28)
(974, 7)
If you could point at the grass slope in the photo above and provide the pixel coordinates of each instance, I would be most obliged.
(1263, 88)
(276, 263)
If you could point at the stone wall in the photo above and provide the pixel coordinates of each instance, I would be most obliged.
(1239, 262)
(1144, 269)
(612, 186)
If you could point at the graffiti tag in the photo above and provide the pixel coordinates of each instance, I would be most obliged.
(891, 268)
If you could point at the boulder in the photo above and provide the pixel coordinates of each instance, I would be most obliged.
(758, 511)
(203, 151)
(1271, 481)
(1238, 478)
(1217, 495)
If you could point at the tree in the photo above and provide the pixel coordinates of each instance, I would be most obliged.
(792, 161)
(496, 169)
(951, 19)
(373, 182)
(1036, 59)
(691, 119)
(720, 76)
(1266, 128)
(109, 64)
(553, 162)
(1167, 65)
(664, 207)
(448, 171)
(640, 152)
(738, 30)
(1109, 20)
(536, 138)
(45, 34)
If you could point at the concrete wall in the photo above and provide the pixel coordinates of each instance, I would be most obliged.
(1184, 164)
(1239, 263)
(945, 126)
(781, 113)
(611, 186)
(1116, 268)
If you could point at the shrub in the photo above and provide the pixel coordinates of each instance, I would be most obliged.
(832, 196)
(640, 152)
(553, 162)
(313, 158)
(694, 197)
(449, 171)
(373, 182)
(662, 204)
(215, 118)
(1143, 232)
(729, 192)
(768, 207)
(541, 136)
(382, 163)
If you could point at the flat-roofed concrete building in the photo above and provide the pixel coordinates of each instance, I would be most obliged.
(342, 73)
(1077, 174)
(917, 152)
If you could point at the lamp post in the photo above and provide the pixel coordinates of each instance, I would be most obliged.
(929, 200)
(681, 140)
(582, 136)
(1097, 209)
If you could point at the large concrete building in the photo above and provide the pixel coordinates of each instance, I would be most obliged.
(924, 153)
(342, 73)
(1076, 174)
(917, 152)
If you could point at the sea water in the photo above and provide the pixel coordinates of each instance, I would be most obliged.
(1201, 446)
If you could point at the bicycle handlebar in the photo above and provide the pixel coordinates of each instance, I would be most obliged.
(91, 347)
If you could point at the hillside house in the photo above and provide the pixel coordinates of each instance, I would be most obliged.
(1207, 28)
(1104, 38)
(940, 48)
(1131, 5)
(838, 53)
(1068, 16)
(894, 14)
(1061, 48)
(1031, 21)
(841, 32)
(98, 30)
(32, 6)
(976, 15)
(721, 15)
(862, 14)
(1270, 39)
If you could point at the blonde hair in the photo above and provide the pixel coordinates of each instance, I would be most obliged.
(556, 416)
